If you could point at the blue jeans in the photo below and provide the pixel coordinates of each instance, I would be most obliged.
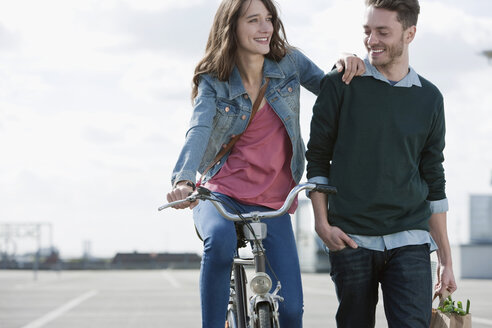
(219, 238)
(405, 277)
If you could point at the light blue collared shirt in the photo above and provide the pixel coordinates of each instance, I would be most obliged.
(408, 81)
(407, 237)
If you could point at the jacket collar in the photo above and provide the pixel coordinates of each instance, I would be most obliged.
(271, 69)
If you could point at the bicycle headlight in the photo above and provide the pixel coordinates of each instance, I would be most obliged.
(261, 283)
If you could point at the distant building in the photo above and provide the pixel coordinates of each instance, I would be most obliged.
(47, 259)
(481, 218)
(475, 258)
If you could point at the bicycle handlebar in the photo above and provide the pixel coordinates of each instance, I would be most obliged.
(204, 194)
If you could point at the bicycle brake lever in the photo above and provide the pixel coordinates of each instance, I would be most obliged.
(203, 191)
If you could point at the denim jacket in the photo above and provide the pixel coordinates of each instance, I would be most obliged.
(222, 110)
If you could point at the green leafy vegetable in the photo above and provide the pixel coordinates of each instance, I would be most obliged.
(449, 307)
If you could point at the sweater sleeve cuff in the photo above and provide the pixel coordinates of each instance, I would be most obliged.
(439, 206)
(318, 180)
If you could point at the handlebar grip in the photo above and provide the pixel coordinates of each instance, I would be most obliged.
(163, 207)
(325, 189)
(200, 193)
(190, 198)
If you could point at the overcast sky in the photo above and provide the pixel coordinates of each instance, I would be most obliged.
(94, 105)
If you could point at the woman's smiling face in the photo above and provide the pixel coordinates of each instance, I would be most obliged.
(254, 29)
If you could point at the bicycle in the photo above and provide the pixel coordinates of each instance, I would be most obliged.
(263, 308)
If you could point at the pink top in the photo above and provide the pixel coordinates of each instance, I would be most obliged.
(257, 171)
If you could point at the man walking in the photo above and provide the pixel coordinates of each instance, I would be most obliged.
(380, 141)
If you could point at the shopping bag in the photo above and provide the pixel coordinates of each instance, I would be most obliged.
(450, 320)
(452, 317)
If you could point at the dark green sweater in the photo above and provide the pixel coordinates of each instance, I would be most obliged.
(381, 146)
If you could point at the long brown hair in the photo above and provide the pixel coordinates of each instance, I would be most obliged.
(220, 52)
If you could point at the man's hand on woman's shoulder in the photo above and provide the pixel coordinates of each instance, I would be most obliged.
(353, 65)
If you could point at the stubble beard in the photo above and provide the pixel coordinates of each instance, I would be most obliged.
(394, 54)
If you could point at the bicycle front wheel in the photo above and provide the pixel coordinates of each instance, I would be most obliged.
(265, 317)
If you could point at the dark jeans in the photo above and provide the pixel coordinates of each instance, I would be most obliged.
(405, 277)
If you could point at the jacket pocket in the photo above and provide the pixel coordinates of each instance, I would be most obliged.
(290, 92)
(227, 113)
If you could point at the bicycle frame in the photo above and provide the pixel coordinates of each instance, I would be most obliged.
(255, 233)
(263, 309)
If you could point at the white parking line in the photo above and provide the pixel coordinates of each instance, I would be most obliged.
(169, 277)
(60, 310)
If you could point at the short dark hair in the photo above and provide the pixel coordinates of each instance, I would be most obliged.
(407, 10)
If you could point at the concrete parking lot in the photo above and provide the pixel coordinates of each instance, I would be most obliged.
(160, 298)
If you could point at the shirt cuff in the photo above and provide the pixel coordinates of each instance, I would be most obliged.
(318, 180)
(439, 206)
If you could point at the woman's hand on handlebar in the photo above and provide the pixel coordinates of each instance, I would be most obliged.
(181, 191)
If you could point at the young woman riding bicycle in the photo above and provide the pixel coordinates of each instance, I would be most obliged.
(247, 49)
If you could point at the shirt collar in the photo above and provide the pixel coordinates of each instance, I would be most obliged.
(409, 80)
(271, 69)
